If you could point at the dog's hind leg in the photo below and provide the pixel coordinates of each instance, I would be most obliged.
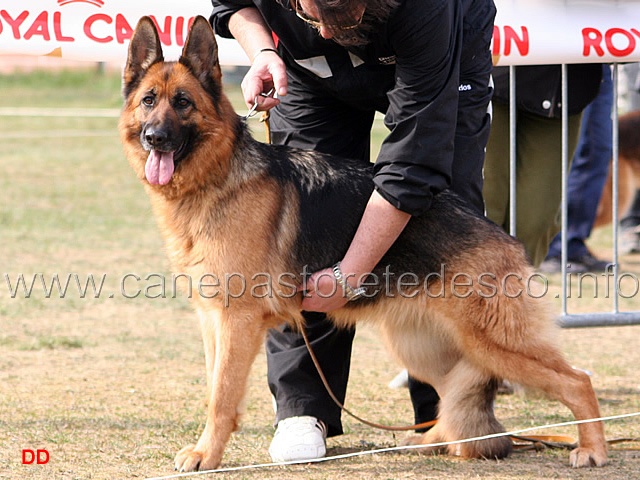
(466, 411)
(549, 372)
(237, 341)
(522, 351)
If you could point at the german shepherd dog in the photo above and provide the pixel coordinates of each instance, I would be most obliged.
(628, 170)
(233, 208)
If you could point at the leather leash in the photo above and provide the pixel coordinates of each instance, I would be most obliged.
(345, 410)
(538, 442)
(264, 118)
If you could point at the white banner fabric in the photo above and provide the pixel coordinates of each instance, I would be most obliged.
(526, 32)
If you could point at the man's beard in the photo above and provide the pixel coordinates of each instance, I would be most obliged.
(351, 38)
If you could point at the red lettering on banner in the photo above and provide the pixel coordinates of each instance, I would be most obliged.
(163, 33)
(505, 40)
(630, 41)
(179, 27)
(511, 37)
(57, 28)
(190, 24)
(88, 24)
(592, 40)
(124, 31)
(39, 27)
(14, 23)
(101, 28)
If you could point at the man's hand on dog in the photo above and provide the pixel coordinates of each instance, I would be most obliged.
(321, 292)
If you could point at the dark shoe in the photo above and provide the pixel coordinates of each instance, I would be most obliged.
(551, 265)
(585, 263)
(629, 240)
(589, 263)
(554, 265)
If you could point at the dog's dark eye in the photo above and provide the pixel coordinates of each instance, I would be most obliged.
(148, 101)
(183, 102)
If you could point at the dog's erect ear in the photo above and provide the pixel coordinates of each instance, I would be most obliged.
(200, 54)
(144, 50)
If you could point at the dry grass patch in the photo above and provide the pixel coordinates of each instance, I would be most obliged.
(113, 387)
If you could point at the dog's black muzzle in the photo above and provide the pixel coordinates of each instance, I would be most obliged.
(159, 138)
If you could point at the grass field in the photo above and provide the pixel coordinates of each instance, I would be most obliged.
(112, 385)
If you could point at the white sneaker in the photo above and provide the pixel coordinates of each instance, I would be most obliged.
(298, 438)
(401, 380)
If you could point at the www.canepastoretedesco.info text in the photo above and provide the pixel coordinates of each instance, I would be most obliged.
(260, 285)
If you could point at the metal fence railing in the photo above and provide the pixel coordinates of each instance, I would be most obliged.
(614, 317)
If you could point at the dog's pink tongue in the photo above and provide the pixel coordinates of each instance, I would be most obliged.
(159, 167)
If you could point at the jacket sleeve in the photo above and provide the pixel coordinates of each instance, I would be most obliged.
(415, 160)
(222, 11)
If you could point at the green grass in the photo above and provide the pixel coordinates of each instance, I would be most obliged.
(68, 88)
(52, 343)
(114, 387)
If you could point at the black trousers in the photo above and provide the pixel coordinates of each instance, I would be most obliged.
(314, 117)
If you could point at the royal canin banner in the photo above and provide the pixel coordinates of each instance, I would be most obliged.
(526, 32)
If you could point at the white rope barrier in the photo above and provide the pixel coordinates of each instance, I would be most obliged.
(57, 134)
(393, 449)
(59, 112)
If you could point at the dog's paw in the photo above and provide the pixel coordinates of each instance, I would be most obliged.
(422, 439)
(189, 459)
(411, 440)
(587, 457)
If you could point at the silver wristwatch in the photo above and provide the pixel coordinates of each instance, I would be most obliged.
(349, 292)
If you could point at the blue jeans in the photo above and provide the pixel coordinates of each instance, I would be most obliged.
(588, 172)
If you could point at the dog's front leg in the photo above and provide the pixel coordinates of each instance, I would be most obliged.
(237, 339)
(208, 322)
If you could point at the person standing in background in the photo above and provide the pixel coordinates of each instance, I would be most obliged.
(586, 181)
(630, 102)
(538, 148)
